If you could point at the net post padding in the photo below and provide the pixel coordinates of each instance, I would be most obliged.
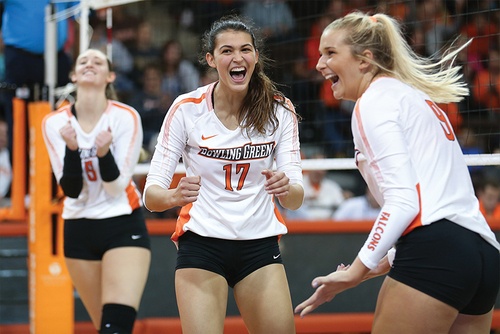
(51, 302)
(17, 210)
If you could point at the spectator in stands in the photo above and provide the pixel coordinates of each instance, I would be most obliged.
(125, 23)
(23, 32)
(230, 134)
(489, 198)
(209, 75)
(437, 25)
(486, 86)
(417, 40)
(331, 117)
(279, 26)
(445, 275)
(143, 51)
(484, 29)
(120, 56)
(364, 207)
(179, 74)
(493, 171)
(274, 17)
(470, 143)
(5, 165)
(303, 89)
(2, 61)
(94, 145)
(151, 104)
(400, 10)
(322, 195)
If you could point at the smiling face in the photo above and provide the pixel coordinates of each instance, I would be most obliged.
(92, 69)
(234, 57)
(337, 64)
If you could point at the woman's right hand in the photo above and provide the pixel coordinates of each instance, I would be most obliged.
(69, 135)
(187, 190)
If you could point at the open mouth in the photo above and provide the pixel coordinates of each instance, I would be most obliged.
(333, 78)
(238, 73)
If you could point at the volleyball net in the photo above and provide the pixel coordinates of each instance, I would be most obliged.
(292, 41)
(429, 26)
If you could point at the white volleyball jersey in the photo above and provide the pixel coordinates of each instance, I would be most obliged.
(232, 203)
(99, 199)
(408, 154)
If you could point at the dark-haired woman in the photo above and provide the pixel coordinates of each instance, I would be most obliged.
(238, 139)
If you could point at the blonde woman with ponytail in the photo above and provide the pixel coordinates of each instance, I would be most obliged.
(441, 257)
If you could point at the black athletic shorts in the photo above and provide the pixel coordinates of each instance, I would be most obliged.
(89, 239)
(451, 264)
(232, 259)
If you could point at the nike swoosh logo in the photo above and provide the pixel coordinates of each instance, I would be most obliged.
(208, 137)
(136, 236)
(276, 256)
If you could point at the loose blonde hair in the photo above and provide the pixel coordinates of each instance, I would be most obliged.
(382, 35)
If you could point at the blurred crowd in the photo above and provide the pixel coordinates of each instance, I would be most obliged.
(155, 52)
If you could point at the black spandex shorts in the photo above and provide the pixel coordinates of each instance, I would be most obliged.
(451, 264)
(89, 239)
(232, 259)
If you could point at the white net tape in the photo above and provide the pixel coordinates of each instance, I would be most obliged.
(346, 164)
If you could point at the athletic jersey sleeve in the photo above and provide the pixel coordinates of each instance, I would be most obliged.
(168, 151)
(379, 136)
(126, 129)
(56, 146)
(109, 169)
(72, 179)
(288, 148)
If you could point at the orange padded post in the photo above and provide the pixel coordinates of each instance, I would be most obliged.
(16, 211)
(51, 300)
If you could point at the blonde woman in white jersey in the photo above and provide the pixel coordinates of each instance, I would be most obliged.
(94, 146)
(229, 135)
(445, 274)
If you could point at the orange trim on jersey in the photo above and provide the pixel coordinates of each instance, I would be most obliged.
(364, 139)
(290, 105)
(417, 221)
(170, 115)
(136, 125)
(277, 212)
(183, 218)
(133, 197)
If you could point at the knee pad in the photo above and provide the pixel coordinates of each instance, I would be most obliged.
(117, 319)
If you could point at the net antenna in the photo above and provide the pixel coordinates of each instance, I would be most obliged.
(85, 6)
(82, 10)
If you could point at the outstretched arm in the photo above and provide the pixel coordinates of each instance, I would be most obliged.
(327, 287)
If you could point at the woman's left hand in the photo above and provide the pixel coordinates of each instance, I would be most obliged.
(327, 287)
(102, 142)
(277, 183)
